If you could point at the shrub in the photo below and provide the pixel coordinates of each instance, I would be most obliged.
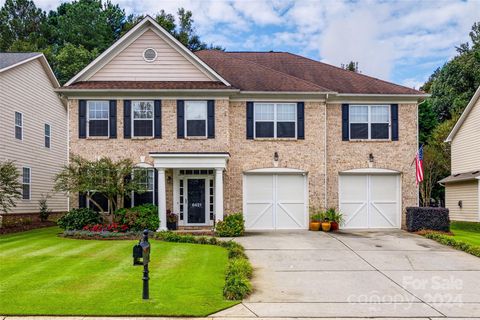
(43, 208)
(139, 218)
(429, 218)
(76, 219)
(232, 225)
(237, 287)
(239, 266)
(450, 241)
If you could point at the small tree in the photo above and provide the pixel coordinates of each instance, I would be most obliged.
(10, 185)
(43, 208)
(110, 178)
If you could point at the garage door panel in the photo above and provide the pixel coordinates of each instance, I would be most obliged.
(383, 188)
(260, 188)
(290, 216)
(259, 216)
(290, 188)
(383, 215)
(355, 214)
(353, 188)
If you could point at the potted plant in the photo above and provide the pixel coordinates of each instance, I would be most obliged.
(172, 220)
(326, 224)
(315, 221)
(335, 217)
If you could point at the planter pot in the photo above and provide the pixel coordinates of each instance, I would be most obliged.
(171, 225)
(326, 225)
(334, 226)
(315, 226)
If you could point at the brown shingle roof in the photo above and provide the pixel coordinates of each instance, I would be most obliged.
(234, 67)
(148, 85)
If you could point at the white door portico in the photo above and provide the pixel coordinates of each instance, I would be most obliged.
(180, 160)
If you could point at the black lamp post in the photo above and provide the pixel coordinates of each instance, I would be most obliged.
(142, 251)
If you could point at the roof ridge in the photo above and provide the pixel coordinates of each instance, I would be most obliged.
(351, 72)
(277, 71)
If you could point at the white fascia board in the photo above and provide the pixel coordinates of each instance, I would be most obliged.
(370, 170)
(464, 115)
(190, 160)
(275, 170)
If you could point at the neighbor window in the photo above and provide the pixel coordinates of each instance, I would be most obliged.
(275, 120)
(196, 118)
(147, 182)
(18, 125)
(47, 135)
(98, 113)
(142, 118)
(26, 183)
(369, 121)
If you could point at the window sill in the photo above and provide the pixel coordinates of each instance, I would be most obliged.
(142, 138)
(275, 139)
(98, 138)
(370, 140)
(196, 138)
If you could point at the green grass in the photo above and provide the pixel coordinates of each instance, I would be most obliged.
(42, 274)
(468, 232)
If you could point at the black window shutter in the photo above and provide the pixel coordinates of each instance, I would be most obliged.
(300, 120)
(211, 119)
(180, 119)
(345, 135)
(394, 115)
(127, 119)
(82, 200)
(113, 118)
(82, 119)
(158, 119)
(249, 120)
(127, 200)
(155, 188)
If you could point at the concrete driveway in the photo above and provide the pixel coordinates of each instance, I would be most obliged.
(358, 274)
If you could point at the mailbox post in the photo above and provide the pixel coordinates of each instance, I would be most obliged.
(142, 251)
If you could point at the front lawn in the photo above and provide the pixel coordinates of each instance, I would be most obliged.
(468, 232)
(42, 274)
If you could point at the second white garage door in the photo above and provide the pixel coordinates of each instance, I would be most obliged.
(275, 201)
(370, 201)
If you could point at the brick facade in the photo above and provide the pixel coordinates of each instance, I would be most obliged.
(230, 136)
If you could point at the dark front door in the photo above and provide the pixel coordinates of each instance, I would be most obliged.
(196, 200)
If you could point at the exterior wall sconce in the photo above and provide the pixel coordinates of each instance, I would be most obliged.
(371, 158)
(275, 159)
(460, 204)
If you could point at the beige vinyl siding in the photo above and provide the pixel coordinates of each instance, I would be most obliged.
(169, 65)
(468, 193)
(466, 143)
(27, 89)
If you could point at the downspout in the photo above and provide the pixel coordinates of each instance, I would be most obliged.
(325, 150)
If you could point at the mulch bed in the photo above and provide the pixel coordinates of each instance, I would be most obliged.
(26, 227)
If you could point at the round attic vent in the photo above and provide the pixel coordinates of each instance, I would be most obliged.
(149, 55)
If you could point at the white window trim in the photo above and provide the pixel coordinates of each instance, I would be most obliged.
(206, 118)
(133, 118)
(29, 183)
(275, 121)
(132, 194)
(15, 125)
(49, 135)
(88, 118)
(369, 121)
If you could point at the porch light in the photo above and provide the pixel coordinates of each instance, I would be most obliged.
(275, 156)
(370, 157)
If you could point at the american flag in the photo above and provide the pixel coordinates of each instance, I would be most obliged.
(419, 165)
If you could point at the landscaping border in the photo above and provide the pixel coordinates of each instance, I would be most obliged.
(450, 241)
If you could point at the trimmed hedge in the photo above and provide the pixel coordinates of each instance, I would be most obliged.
(427, 218)
(239, 271)
(450, 241)
(232, 225)
(76, 219)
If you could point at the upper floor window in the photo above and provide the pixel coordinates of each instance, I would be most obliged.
(98, 118)
(18, 125)
(196, 118)
(369, 121)
(26, 183)
(47, 134)
(275, 120)
(142, 118)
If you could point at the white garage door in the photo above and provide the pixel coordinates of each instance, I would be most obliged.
(275, 201)
(370, 201)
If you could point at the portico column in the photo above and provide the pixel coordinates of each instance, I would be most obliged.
(218, 194)
(162, 202)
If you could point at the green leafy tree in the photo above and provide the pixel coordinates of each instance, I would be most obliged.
(71, 59)
(10, 186)
(110, 178)
(427, 119)
(351, 66)
(22, 22)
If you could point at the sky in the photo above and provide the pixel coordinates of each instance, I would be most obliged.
(400, 41)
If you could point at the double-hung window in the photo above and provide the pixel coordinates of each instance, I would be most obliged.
(142, 118)
(26, 183)
(98, 117)
(196, 118)
(275, 120)
(18, 126)
(47, 134)
(369, 122)
(147, 181)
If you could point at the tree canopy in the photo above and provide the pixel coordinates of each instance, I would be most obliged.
(76, 32)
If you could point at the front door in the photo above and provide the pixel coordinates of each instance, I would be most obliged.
(196, 201)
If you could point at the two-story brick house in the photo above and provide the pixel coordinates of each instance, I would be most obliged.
(268, 134)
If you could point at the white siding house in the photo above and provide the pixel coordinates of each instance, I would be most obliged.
(33, 128)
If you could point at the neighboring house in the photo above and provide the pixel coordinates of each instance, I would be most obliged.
(33, 128)
(462, 187)
(265, 133)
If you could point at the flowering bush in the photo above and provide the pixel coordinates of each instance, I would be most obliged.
(112, 227)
